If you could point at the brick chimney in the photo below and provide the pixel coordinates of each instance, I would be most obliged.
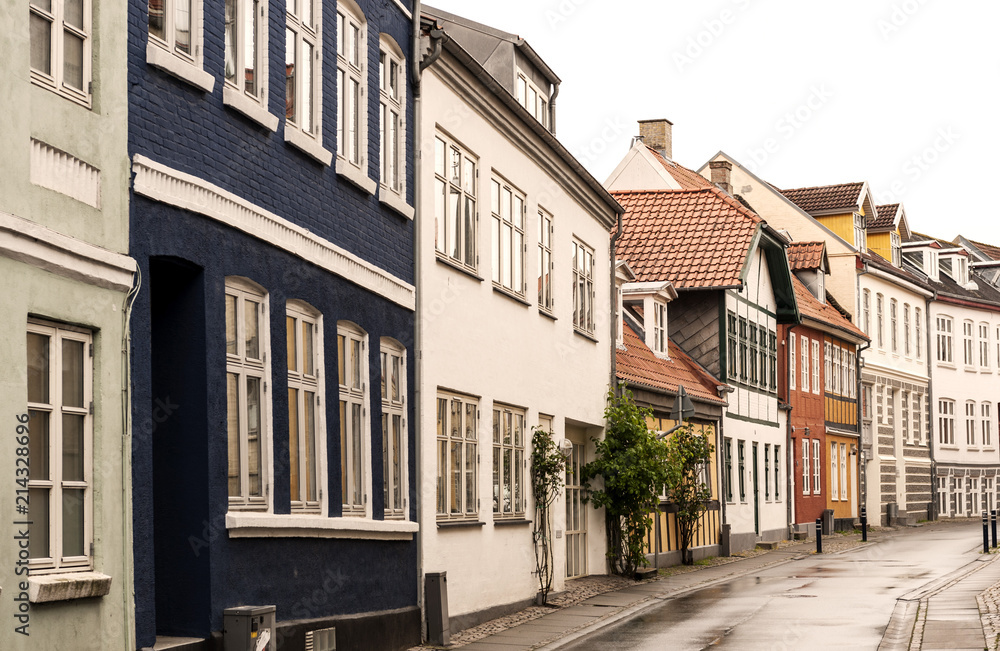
(658, 134)
(722, 171)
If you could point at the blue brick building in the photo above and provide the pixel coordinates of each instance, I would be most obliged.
(271, 219)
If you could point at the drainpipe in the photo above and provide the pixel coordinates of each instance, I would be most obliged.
(552, 109)
(616, 318)
(128, 626)
(416, 68)
(860, 392)
(935, 500)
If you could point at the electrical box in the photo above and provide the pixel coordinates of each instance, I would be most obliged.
(248, 628)
(436, 607)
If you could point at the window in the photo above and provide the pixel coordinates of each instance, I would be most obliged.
(815, 366)
(904, 402)
(767, 471)
(532, 98)
(60, 444)
(918, 338)
(394, 437)
(458, 464)
(836, 370)
(508, 462)
(880, 317)
(773, 340)
(392, 103)
(851, 390)
(998, 348)
(805, 467)
(895, 246)
(175, 27)
(777, 472)
(60, 45)
(660, 327)
(879, 405)
(583, 287)
(729, 469)
(906, 329)
(352, 112)
(834, 473)
(984, 345)
(893, 309)
(732, 362)
(987, 424)
(305, 422)
(843, 471)
(860, 235)
(916, 419)
(946, 422)
(944, 342)
(352, 374)
(508, 237)
(792, 361)
(967, 346)
(545, 263)
(303, 83)
(827, 366)
(246, 375)
(455, 217)
(743, 349)
(866, 312)
(817, 469)
(753, 354)
(970, 423)
(246, 48)
(866, 407)
(742, 449)
(805, 364)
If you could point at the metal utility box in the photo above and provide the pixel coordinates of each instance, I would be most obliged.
(436, 606)
(248, 628)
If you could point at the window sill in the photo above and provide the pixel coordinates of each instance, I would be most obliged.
(947, 365)
(355, 176)
(66, 586)
(269, 525)
(510, 522)
(236, 100)
(171, 64)
(511, 295)
(307, 145)
(83, 99)
(944, 446)
(586, 335)
(395, 202)
(459, 524)
(986, 371)
(458, 266)
(547, 314)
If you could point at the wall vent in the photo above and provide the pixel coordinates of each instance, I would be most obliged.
(324, 639)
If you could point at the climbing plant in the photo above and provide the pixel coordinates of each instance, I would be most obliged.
(548, 468)
(688, 454)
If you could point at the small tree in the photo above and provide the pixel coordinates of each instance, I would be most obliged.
(548, 466)
(688, 454)
(632, 463)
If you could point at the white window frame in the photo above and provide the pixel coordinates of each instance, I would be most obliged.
(777, 473)
(392, 102)
(300, 316)
(834, 473)
(806, 475)
(917, 420)
(866, 311)
(509, 489)
(352, 68)
(804, 349)
(815, 366)
(906, 329)
(843, 471)
(55, 78)
(546, 266)
(968, 349)
(792, 361)
(767, 472)
(880, 318)
(244, 366)
(660, 330)
(456, 172)
(355, 446)
(893, 318)
(945, 350)
(918, 332)
(984, 346)
(895, 252)
(305, 31)
(817, 467)
(583, 288)
(395, 442)
(946, 421)
(904, 403)
(987, 427)
(252, 103)
(527, 90)
(860, 233)
(464, 505)
(54, 484)
(509, 209)
(165, 52)
(970, 423)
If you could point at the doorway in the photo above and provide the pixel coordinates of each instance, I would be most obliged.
(576, 514)
(756, 493)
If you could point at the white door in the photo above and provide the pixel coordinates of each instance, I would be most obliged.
(576, 515)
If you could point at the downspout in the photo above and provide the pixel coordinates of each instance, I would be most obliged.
(552, 108)
(616, 318)
(415, 70)
(859, 408)
(929, 410)
(127, 540)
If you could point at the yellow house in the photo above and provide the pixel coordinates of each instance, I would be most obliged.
(886, 230)
(847, 209)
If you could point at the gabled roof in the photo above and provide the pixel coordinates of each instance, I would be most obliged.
(693, 238)
(637, 365)
(822, 314)
(807, 255)
(885, 217)
(687, 179)
(988, 250)
(824, 198)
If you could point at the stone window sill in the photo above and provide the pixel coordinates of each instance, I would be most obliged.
(307, 145)
(66, 586)
(355, 176)
(182, 69)
(269, 525)
(238, 101)
(392, 200)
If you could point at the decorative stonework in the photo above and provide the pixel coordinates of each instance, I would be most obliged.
(58, 171)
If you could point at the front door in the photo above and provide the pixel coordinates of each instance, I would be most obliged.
(756, 493)
(576, 515)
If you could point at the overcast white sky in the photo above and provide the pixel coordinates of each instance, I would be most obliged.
(900, 93)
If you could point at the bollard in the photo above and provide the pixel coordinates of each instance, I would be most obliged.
(986, 534)
(993, 525)
(819, 535)
(864, 524)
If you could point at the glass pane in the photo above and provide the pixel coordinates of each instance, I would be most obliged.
(517, 215)
(231, 325)
(309, 423)
(470, 422)
(230, 36)
(307, 13)
(290, 112)
(72, 447)
(72, 522)
(291, 7)
(250, 49)
(394, 79)
(496, 426)
(518, 429)
(469, 177)
(156, 22)
(439, 216)
(352, 122)
(254, 460)
(356, 454)
(397, 461)
(308, 348)
(73, 13)
(470, 231)
(507, 487)
(386, 455)
(72, 373)
(439, 156)
(38, 515)
(307, 88)
(518, 264)
(456, 419)
(38, 368)
(505, 255)
(496, 479)
(341, 362)
(38, 444)
(394, 387)
(518, 488)
(293, 443)
(233, 421)
(355, 38)
(384, 357)
(507, 426)
(470, 478)
(456, 477)
(340, 35)
(251, 311)
(341, 108)
(182, 26)
(505, 198)
(290, 344)
(455, 222)
(344, 451)
(355, 364)
(442, 498)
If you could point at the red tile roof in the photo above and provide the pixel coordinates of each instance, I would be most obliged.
(638, 366)
(885, 218)
(826, 197)
(989, 250)
(805, 255)
(693, 238)
(687, 179)
(810, 308)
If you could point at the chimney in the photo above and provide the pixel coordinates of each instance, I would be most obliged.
(722, 171)
(658, 134)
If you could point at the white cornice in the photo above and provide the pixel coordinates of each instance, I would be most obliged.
(177, 188)
(50, 250)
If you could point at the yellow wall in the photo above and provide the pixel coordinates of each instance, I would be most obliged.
(881, 243)
(706, 430)
(842, 225)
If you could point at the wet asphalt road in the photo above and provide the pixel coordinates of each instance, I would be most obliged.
(840, 601)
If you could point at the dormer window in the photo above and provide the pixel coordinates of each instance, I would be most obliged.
(659, 328)
(533, 98)
(894, 243)
(860, 235)
(961, 271)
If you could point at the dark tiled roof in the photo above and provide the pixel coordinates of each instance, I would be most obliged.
(885, 217)
(993, 252)
(693, 238)
(810, 308)
(637, 365)
(687, 179)
(805, 255)
(882, 264)
(826, 197)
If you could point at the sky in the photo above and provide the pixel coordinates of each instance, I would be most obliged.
(902, 93)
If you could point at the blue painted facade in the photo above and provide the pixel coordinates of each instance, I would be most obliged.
(187, 567)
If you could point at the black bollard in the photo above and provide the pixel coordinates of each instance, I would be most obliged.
(864, 524)
(819, 535)
(993, 525)
(986, 534)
